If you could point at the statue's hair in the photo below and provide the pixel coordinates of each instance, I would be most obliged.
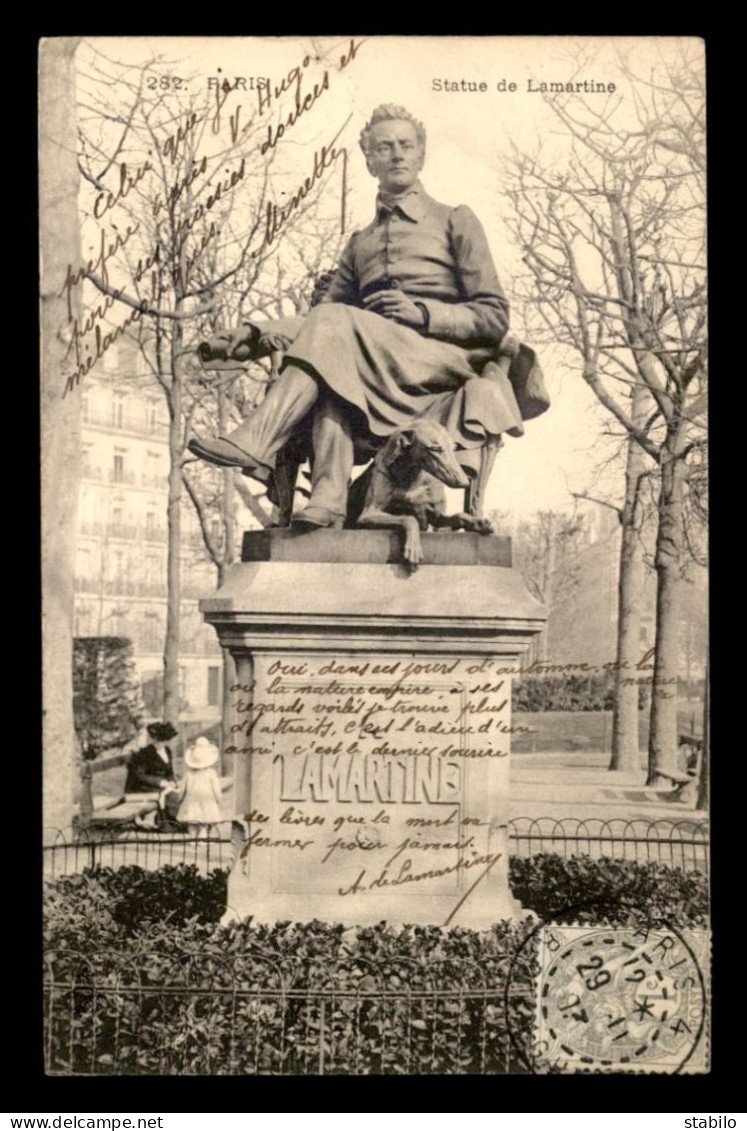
(390, 113)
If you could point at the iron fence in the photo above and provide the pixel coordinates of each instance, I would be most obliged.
(152, 1013)
(244, 1010)
(68, 851)
(680, 844)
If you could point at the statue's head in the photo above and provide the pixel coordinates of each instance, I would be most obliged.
(393, 143)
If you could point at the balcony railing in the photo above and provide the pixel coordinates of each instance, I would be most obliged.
(154, 534)
(120, 530)
(152, 589)
(197, 589)
(159, 482)
(87, 585)
(127, 532)
(127, 587)
(125, 423)
(121, 587)
(202, 647)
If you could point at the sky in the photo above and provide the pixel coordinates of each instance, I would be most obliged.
(470, 135)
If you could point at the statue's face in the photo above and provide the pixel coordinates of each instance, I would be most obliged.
(395, 156)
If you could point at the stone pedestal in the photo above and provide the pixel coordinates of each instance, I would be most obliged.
(371, 726)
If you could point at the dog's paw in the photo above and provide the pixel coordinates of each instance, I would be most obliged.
(475, 525)
(413, 549)
(413, 555)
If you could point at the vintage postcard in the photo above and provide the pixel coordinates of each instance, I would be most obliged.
(374, 469)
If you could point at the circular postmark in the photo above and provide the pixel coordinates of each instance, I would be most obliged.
(614, 998)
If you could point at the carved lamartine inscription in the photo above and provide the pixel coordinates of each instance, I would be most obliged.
(378, 773)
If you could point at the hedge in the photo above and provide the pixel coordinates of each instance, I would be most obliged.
(176, 992)
(563, 692)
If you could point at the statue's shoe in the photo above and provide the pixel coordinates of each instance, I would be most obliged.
(317, 518)
(223, 453)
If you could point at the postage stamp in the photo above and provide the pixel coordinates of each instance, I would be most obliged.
(622, 999)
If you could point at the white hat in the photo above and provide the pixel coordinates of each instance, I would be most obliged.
(201, 754)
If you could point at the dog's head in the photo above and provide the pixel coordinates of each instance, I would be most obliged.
(429, 446)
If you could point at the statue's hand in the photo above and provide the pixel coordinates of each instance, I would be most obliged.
(229, 345)
(398, 306)
(242, 343)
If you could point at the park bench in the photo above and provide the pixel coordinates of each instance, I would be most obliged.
(685, 782)
(112, 810)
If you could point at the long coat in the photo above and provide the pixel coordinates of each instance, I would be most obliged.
(392, 374)
(146, 770)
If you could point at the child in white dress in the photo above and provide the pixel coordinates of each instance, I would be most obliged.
(200, 788)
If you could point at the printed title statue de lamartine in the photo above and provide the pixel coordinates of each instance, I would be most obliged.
(409, 328)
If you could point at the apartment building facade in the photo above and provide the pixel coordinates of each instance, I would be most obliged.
(121, 537)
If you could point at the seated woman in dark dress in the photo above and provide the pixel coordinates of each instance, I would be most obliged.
(151, 768)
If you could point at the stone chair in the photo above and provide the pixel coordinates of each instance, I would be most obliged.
(512, 366)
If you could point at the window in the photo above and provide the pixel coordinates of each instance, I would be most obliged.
(213, 686)
(118, 469)
(83, 563)
(83, 621)
(118, 622)
(152, 639)
(152, 473)
(119, 411)
(86, 470)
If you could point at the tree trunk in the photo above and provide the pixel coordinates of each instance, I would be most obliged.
(228, 501)
(625, 752)
(543, 642)
(663, 737)
(228, 509)
(60, 418)
(171, 698)
(227, 713)
(705, 757)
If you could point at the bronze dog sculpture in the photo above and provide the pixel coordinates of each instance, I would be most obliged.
(404, 487)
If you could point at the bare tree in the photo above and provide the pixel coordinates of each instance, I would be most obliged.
(634, 513)
(215, 403)
(546, 555)
(190, 249)
(613, 237)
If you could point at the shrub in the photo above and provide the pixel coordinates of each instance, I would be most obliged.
(107, 699)
(145, 979)
(102, 906)
(566, 692)
(582, 889)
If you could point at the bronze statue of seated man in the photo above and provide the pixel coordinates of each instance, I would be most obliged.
(412, 314)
